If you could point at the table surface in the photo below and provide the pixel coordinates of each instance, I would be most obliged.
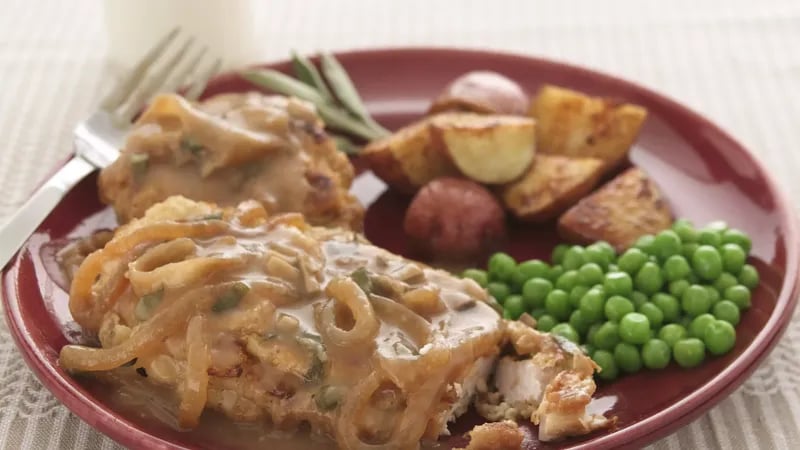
(738, 62)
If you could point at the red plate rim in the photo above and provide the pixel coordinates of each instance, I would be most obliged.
(634, 435)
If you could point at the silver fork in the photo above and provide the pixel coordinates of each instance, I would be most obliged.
(98, 138)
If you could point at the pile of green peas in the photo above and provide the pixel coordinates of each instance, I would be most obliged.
(676, 295)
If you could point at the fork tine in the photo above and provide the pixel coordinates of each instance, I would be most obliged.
(122, 90)
(199, 84)
(151, 85)
(174, 83)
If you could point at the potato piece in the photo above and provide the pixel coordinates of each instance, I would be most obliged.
(482, 92)
(407, 160)
(552, 184)
(490, 149)
(621, 211)
(454, 219)
(574, 124)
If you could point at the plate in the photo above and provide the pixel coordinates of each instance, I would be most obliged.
(704, 172)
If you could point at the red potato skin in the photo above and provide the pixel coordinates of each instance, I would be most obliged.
(454, 219)
(482, 92)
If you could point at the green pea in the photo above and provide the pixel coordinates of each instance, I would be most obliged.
(676, 268)
(653, 313)
(480, 276)
(592, 305)
(566, 331)
(557, 304)
(534, 291)
(607, 336)
(689, 352)
(713, 294)
(590, 334)
(588, 349)
(677, 287)
(608, 366)
(632, 260)
(634, 328)
(558, 253)
(707, 263)
(698, 325)
(748, 276)
(618, 283)
(685, 321)
(533, 268)
(590, 274)
(649, 279)
(599, 255)
(656, 354)
(538, 312)
(672, 333)
(613, 268)
(646, 244)
(578, 322)
(507, 315)
(546, 323)
(514, 305)
(499, 291)
(728, 311)
(638, 299)
(668, 305)
(738, 237)
(616, 307)
(688, 249)
(719, 337)
(555, 272)
(725, 281)
(501, 266)
(576, 294)
(739, 295)
(709, 237)
(567, 280)
(627, 357)
(733, 258)
(685, 230)
(666, 244)
(574, 258)
(695, 300)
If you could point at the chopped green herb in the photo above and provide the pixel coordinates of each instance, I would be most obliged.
(214, 216)
(328, 397)
(139, 163)
(231, 297)
(361, 277)
(191, 146)
(147, 304)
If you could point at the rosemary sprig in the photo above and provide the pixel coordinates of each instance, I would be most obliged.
(337, 101)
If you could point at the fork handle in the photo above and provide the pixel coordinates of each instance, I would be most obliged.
(24, 222)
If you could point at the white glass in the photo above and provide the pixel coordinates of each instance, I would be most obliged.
(227, 27)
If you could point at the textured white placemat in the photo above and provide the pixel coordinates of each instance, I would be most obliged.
(738, 62)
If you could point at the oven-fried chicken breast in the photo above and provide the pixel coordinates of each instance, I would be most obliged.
(231, 148)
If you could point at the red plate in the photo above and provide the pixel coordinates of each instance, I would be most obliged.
(705, 173)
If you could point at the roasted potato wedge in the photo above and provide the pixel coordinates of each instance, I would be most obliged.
(407, 160)
(489, 149)
(483, 92)
(552, 184)
(574, 124)
(621, 211)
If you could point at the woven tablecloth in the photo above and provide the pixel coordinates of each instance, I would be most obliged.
(738, 62)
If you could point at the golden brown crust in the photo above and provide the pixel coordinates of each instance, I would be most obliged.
(551, 185)
(574, 124)
(407, 159)
(504, 435)
(627, 207)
